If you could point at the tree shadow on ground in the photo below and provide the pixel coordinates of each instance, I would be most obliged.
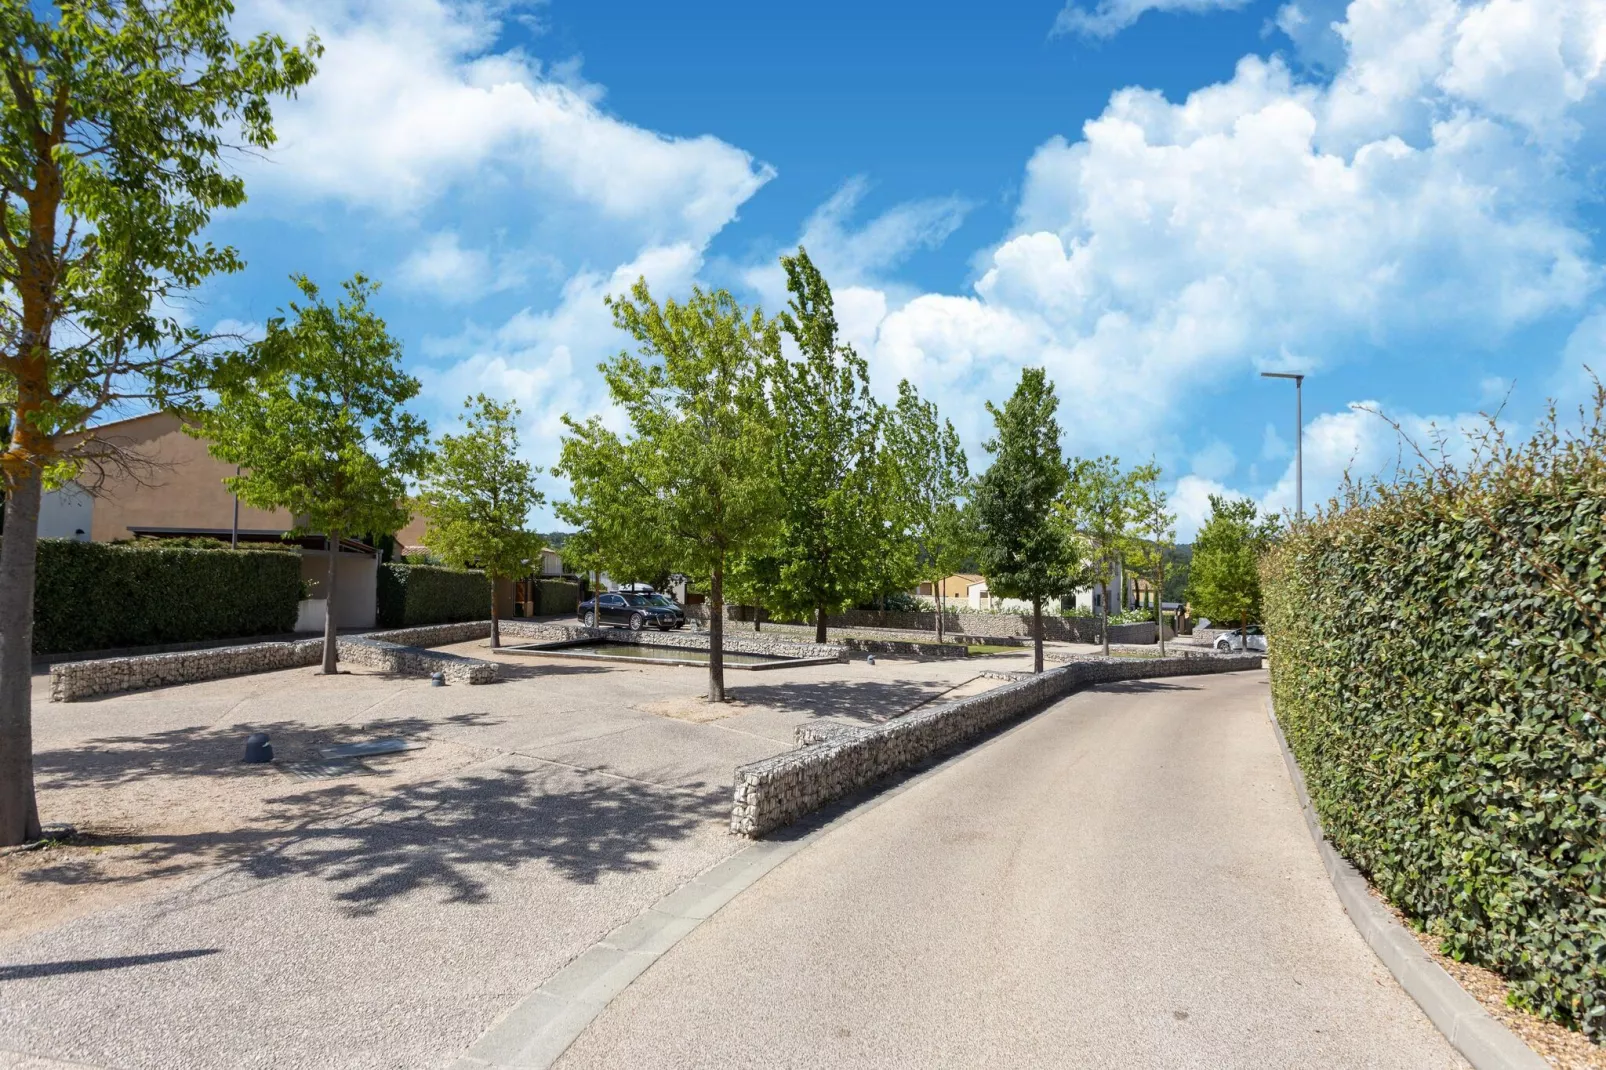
(1144, 687)
(869, 701)
(119, 962)
(217, 752)
(535, 668)
(449, 835)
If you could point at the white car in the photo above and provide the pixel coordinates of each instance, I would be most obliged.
(1236, 639)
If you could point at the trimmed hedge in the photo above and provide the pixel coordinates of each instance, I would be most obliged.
(557, 596)
(411, 595)
(1452, 739)
(95, 596)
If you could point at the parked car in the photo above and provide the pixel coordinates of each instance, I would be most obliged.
(663, 601)
(633, 611)
(1255, 640)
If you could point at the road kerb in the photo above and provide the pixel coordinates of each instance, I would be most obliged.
(1473, 1031)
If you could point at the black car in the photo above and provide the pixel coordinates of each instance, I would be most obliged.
(633, 611)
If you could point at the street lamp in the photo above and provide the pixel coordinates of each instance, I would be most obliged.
(1299, 436)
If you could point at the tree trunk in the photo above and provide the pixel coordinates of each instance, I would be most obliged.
(19, 811)
(939, 610)
(716, 636)
(1159, 602)
(331, 649)
(819, 622)
(758, 616)
(1106, 622)
(596, 598)
(496, 625)
(1037, 634)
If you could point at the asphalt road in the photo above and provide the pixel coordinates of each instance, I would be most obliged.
(1123, 881)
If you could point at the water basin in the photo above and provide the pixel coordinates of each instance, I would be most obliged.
(652, 654)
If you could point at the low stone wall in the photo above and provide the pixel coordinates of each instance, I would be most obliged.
(779, 790)
(893, 648)
(75, 680)
(741, 643)
(416, 661)
(399, 651)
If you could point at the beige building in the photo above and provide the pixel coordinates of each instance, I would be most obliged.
(174, 487)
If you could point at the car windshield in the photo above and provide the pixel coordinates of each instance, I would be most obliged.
(638, 600)
(660, 600)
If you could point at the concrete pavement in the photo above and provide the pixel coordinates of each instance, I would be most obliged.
(388, 920)
(1123, 881)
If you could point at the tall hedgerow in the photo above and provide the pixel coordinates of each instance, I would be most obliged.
(1438, 666)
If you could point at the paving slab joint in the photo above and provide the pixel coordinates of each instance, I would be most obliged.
(1481, 1039)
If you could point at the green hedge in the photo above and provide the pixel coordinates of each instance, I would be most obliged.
(1438, 666)
(95, 596)
(412, 595)
(557, 596)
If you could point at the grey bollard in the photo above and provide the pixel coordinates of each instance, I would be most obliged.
(437, 679)
(257, 748)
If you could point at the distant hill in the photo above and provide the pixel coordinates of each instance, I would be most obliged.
(555, 539)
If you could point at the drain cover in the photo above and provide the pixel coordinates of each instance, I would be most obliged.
(325, 769)
(363, 750)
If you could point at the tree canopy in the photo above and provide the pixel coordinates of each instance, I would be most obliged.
(477, 495)
(828, 426)
(933, 487)
(1105, 503)
(113, 117)
(322, 434)
(1025, 548)
(1224, 577)
(697, 469)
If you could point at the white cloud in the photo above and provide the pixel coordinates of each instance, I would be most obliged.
(1268, 221)
(1215, 461)
(1583, 362)
(410, 102)
(1110, 17)
(442, 268)
(545, 360)
(860, 256)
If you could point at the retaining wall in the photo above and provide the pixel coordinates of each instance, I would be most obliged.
(741, 643)
(779, 790)
(399, 651)
(977, 626)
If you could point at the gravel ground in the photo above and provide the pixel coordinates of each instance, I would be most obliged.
(1564, 1048)
(220, 915)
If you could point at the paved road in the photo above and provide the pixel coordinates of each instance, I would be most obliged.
(1123, 881)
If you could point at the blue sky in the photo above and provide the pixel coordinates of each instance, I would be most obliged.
(1156, 199)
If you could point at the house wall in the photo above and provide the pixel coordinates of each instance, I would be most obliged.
(67, 513)
(180, 485)
(356, 585)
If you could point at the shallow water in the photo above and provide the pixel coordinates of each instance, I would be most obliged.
(657, 653)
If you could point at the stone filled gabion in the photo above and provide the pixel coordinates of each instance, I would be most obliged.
(831, 763)
(400, 651)
(744, 643)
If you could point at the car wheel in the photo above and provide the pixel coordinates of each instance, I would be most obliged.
(591, 620)
(1223, 646)
(636, 621)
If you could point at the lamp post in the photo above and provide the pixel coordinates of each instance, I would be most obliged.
(1299, 436)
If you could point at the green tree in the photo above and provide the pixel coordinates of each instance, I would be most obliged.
(611, 507)
(1156, 537)
(1104, 503)
(111, 166)
(322, 433)
(934, 485)
(1024, 547)
(699, 462)
(477, 494)
(1224, 578)
(826, 462)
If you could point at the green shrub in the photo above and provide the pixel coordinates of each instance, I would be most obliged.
(95, 596)
(1438, 667)
(413, 595)
(557, 596)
